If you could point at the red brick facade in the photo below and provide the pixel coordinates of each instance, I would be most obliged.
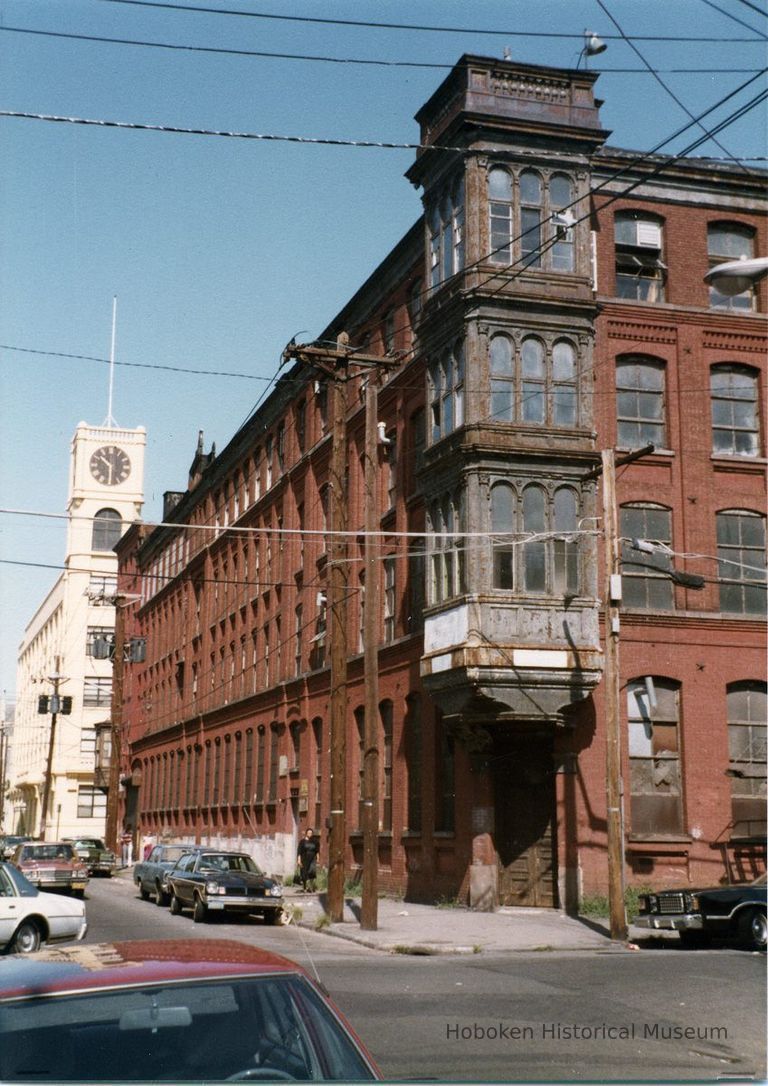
(227, 722)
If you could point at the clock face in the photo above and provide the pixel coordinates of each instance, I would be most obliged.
(110, 465)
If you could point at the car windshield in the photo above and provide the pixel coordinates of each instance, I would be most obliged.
(172, 853)
(23, 886)
(228, 862)
(47, 852)
(90, 842)
(276, 1028)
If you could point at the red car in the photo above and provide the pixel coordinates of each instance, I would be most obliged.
(51, 865)
(203, 1010)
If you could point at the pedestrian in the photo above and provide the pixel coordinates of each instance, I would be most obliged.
(307, 860)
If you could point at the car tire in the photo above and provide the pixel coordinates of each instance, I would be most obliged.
(27, 938)
(175, 905)
(753, 929)
(199, 911)
(694, 938)
(143, 894)
(161, 897)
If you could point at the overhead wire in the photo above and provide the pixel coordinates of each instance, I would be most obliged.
(735, 18)
(368, 24)
(310, 57)
(664, 85)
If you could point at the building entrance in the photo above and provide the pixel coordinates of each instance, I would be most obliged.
(524, 786)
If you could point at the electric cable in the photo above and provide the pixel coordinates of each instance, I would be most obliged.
(409, 26)
(730, 15)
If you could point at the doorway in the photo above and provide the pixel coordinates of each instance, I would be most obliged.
(524, 789)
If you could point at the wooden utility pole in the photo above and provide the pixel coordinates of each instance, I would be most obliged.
(335, 362)
(115, 755)
(614, 798)
(370, 900)
(47, 784)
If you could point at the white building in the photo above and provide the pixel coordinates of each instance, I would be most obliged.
(106, 493)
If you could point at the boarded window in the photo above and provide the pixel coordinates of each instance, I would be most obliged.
(654, 757)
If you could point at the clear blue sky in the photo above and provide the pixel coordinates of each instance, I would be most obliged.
(219, 250)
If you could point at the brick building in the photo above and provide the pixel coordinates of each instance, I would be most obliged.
(549, 304)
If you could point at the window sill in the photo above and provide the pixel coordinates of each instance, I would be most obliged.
(656, 452)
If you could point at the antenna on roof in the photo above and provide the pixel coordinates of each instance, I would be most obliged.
(110, 419)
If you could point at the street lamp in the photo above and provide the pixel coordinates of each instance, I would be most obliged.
(736, 276)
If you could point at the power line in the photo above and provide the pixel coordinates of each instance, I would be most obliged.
(137, 365)
(309, 57)
(730, 15)
(661, 82)
(409, 26)
(753, 7)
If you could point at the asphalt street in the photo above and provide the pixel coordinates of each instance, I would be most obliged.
(654, 1015)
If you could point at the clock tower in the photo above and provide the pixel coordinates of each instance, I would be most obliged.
(106, 490)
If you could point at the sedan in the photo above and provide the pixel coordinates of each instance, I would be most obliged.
(171, 1011)
(52, 866)
(29, 918)
(217, 882)
(699, 915)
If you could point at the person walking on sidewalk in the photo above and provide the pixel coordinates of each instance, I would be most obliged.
(307, 860)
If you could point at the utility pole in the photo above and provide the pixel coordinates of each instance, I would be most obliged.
(370, 900)
(611, 601)
(335, 363)
(55, 703)
(115, 754)
(614, 798)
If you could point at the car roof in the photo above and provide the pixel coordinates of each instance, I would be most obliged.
(135, 964)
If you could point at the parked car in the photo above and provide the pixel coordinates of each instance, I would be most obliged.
(29, 918)
(200, 1010)
(51, 865)
(151, 875)
(99, 859)
(698, 915)
(8, 844)
(215, 881)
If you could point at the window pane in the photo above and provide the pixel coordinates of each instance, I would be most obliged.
(501, 356)
(499, 185)
(530, 230)
(533, 403)
(501, 401)
(564, 403)
(729, 241)
(560, 191)
(533, 358)
(563, 362)
(533, 509)
(530, 188)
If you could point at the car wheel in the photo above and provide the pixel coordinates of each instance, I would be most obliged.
(161, 897)
(175, 905)
(694, 938)
(199, 911)
(753, 930)
(27, 938)
(143, 894)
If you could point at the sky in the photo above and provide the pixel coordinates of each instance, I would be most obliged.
(220, 249)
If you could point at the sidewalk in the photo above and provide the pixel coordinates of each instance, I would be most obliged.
(407, 928)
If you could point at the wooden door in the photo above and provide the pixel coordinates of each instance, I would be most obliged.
(524, 818)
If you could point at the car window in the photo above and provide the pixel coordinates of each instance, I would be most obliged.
(24, 887)
(6, 886)
(202, 1031)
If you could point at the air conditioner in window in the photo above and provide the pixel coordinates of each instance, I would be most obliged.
(648, 235)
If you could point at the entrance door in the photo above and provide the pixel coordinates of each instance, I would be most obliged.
(524, 784)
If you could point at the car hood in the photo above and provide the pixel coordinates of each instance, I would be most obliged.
(240, 878)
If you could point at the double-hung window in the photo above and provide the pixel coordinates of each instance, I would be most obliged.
(446, 392)
(727, 241)
(533, 383)
(640, 406)
(640, 268)
(646, 581)
(741, 562)
(446, 235)
(735, 427)
(654, 756)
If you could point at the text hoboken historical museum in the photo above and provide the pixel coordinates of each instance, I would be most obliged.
(573, 1031)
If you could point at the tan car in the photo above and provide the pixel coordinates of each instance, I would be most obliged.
(51, 865)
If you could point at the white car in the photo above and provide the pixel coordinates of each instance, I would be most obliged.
(29, 918)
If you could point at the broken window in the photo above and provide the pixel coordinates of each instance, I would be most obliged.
(640, 269)
(654, 757)
(747, 703)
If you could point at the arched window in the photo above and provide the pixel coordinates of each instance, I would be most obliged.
(501, 220)
(741, 562)
(728, 241)
(654, 756)
(535, 383)
(534, 550)
(530, 218)
(565, 553)
(446, 392)
(735, 427)
(646, 581)
(560, 198)
(640, 407)
(107, 529)
(503, 523)
(747, 703)
(640, 269)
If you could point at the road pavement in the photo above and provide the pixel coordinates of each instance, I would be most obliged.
(658, 1013)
